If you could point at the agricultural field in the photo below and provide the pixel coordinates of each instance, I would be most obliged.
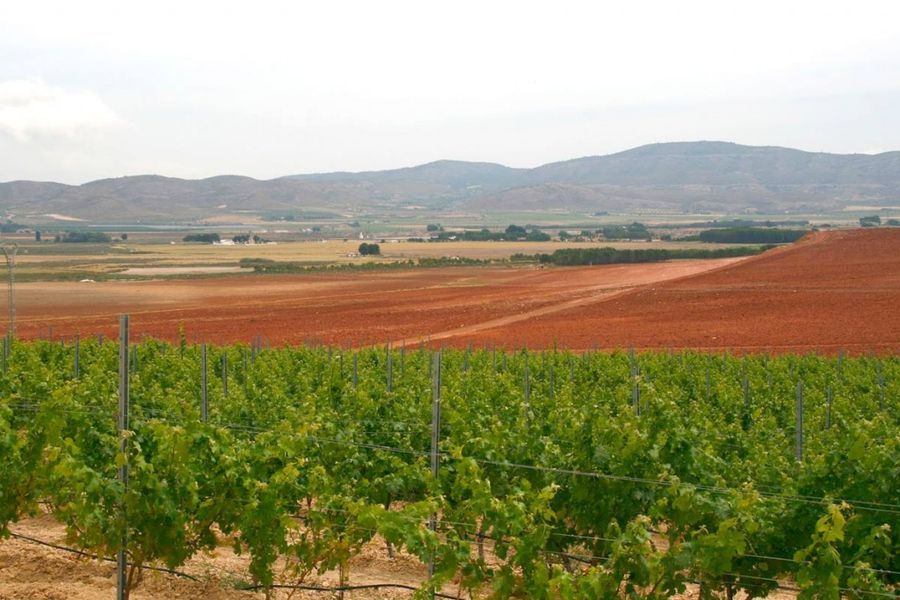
(255, 471)
(156, 255)
(471, 431)
(343, 308)
(830, 291)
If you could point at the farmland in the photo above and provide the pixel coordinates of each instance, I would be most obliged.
(828, 292)
(519, 474)
(557, 464)
(143, 253)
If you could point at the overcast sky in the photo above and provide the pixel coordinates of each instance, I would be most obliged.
(94, 89)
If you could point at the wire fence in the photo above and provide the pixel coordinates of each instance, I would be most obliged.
(865, 505)
(582, 557)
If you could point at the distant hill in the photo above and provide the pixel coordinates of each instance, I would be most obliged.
(722, 163)
(456, 174)
(674, 177)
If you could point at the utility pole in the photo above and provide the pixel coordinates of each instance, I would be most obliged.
(10, 249)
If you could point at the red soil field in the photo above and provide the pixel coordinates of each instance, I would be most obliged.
(836, 290)
(829, 292)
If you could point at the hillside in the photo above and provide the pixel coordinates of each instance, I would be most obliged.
(671, 177)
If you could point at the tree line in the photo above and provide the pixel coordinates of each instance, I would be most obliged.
(568, 257)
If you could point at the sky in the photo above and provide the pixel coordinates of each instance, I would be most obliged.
(96, 89)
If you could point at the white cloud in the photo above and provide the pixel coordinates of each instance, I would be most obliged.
(31, 109)
(280, 86)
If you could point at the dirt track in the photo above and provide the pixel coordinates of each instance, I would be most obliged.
(833, 290)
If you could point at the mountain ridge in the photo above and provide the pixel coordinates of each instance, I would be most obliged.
(667, 176)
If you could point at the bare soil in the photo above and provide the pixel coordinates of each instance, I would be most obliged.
(340, 308)
(29, 571)
(32, 571)
(831, 291)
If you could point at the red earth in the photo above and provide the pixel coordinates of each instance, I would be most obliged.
(831, 291)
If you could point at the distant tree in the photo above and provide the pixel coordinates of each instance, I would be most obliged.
(893, 223)
(240, 239)
(434, 227)
(10, 227)
(483, 235)
(635, 231)
(366, 249)
(206, 238)
(536, 235)
(873, 221)
(82, 237)
(515, 232)
(751, 235)
(124, 237)
(37, 235)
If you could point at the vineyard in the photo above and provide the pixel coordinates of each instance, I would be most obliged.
(510, 474)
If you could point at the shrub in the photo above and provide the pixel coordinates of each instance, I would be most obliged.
(515, 232)
(606, 256)
(82, 237)
(369, 249)
(635, 231)
(537, 236)
(207, 238)
(751, 235)
(873, 221)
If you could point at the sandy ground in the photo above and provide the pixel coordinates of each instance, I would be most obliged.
(29, 571)
(836, 290)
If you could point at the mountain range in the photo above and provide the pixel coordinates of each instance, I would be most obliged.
(676, 177)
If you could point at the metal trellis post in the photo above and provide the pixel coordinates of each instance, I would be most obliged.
(204, 389)
(121, 557)
(799, 422)
(435, 440)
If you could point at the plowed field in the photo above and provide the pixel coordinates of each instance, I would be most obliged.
(831, 291)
